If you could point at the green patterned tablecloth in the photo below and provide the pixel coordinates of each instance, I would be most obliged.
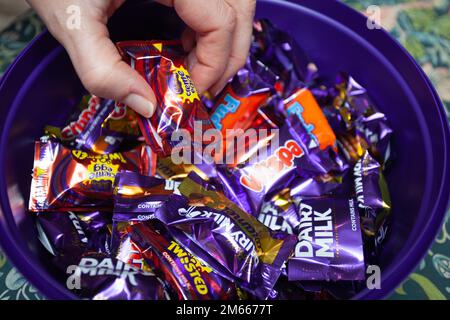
(424, 29)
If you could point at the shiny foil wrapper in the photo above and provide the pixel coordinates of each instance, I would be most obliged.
(99, 125)
(68, 235)
(357, 122)
(161, 63)
(373, 202)
(231, 241)
(104, 278)
(189, 277)
(288, 154)
(77, 180)
(238, 104)
(280, 52)
(136, 199)
(329, 241)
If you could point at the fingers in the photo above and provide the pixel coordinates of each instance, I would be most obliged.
(95, 58)
(218, 38)
(214, 22)
(242, 37)
(103, 73)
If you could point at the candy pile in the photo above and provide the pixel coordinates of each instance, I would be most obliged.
(300, 220)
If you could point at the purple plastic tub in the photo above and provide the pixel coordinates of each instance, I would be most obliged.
(41, 87)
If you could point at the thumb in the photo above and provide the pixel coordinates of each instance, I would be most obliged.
(102, 71)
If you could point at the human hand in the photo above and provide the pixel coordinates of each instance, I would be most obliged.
(217, 39)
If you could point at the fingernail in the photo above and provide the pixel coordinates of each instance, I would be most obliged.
(140, 104)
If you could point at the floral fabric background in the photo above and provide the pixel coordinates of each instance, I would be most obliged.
(422, 26)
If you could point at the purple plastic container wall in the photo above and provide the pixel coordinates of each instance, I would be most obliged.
(41, 87)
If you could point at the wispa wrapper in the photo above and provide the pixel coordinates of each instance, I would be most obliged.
(357, 122)
(100, 277)
(161, 63)
(228, 239)
(188, 276)
(76, 180)
(329, 245)
(303, 105)
(373, 202)
(100, 125)
(287, 154)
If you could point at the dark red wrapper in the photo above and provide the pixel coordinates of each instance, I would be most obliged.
(76, 180)
(161, 63)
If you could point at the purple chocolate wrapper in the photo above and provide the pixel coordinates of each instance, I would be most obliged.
(290, 154)
(357, 122)
(100, 277)
(276, 49)
(373, 202)
(67, 235)
(329, 243)
(232, 242)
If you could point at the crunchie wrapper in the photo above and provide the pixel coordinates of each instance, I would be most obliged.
(100, 277)
(231, 241)
(77, 180)
(161, 63)
(188, 276)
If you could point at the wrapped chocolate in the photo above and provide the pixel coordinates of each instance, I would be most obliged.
(373, 201)
(67, 235)
(136, 199)
(100, 277)
(189, 277)
(357, 122)
(161, 63)
(277, 50)
(77, 180)
(303, 105)
(232, 242)
(329, 245)
(61, 234)
(288, 154)
(238, 104)
(101, 126)
(279, 212)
